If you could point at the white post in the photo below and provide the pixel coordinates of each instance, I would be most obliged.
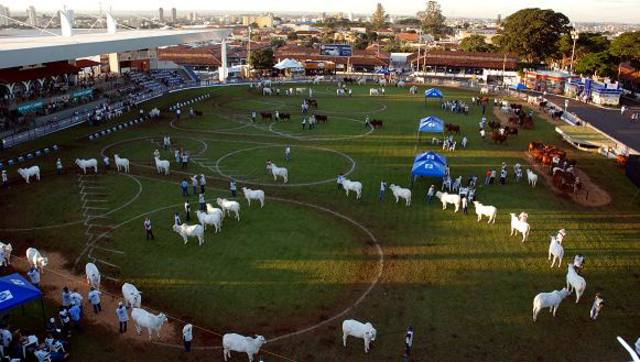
(222, 71)
(112, 24)
(66, 22)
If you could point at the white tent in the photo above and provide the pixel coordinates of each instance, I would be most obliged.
(289, 64)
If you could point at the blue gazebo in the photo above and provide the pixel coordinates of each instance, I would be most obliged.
(16, 291)
(429, 164)
(433, 93)
(519, 86)
(430, 124)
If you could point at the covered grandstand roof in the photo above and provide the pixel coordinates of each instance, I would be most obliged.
(360, 57)
(469, 59)
(19, 50)
(13, 75)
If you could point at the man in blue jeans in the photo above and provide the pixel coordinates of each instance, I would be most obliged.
(184, 185)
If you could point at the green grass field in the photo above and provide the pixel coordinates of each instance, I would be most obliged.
(466, 287)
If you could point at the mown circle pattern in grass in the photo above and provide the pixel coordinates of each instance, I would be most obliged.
(311, 165)
(323, 132)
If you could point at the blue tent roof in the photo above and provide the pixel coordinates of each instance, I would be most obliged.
(15, 290)
(519, 86)
(430, 164)
(433, 93)
(431, 124)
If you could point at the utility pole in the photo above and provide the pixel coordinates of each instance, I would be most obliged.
(249, 50)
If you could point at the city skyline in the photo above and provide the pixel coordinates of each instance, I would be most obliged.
(621, 11)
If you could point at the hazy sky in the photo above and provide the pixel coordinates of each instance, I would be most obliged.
(577, 10)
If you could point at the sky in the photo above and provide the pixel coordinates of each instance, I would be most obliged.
(626, 11)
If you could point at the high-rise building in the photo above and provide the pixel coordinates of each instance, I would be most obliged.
(161, 15)
(174, 15)
(31, 16)
(194, 16)
(499, 20)
(4, 15)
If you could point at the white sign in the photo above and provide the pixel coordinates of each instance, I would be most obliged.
(5, 295)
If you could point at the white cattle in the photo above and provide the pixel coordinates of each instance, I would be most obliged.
(162, 166)
(486, 210)
(93, 275)
(447, 198)
(300, 91)
(354, 186)
(575, 282)
(229, 206)
(89, 163)
(354, 328)
(518, 225)
(36, 260)
(214, 210)
(532, 178)
(26, 173)
(132, 295)
(154, 113)
(374, 92)
(578, 261)
(250, 194)
(209, 219)
(550, 300)
(399, 192)
(556, 251)
(239, 343)
(596, 307)
(121, 163)
(340, 92)
(144, 319)
(187, 231)
(267, 91)
(413, 90)
(7, 248)
(278, 171)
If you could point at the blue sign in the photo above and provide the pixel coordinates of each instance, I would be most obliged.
(336, 50)
(30, 107)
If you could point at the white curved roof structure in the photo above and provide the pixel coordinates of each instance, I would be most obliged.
(16, 50)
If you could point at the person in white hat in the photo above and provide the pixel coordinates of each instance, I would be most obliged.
(123, 317)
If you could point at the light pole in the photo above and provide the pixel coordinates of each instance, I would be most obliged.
(575, 35)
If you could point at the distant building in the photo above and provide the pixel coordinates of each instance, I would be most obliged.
(174, 15)
(194, 16)
(549, 81)
(499, 20)
(408, 37)
(4, 14)
(161, 15)
(488, 67)
(263, 21)
(32, 17)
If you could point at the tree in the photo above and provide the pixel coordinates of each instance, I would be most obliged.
(586, 43)
(476, 43)
(601, 64)
(262, 58)
(379, 18)
(409, 21)
(432, 19)
(533, 33)
(627, 47)
(277, 42)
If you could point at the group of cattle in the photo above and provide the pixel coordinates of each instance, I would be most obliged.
(83, 164)
(561, 168)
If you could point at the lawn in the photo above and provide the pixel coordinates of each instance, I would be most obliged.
(466, 287)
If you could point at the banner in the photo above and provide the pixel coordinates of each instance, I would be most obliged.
(30, 107)
(83, 93)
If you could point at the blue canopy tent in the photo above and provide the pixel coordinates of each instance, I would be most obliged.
(519, 86)
(430, 124)
(429, 164)
(16, 291)
(433, 93)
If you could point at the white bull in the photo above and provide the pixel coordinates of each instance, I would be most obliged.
(518, 225)
(239, 343)
(229, 206)
(121, 163)
(447, 198)
(132, 295)
(162, 166)
(187, 231)
(93, 275)
(354, 186)
(36, 260)
(556, 251)
(144, 319)
(89, 163)
(209, 219)
(278, 172)
(401, 193)
(27, 173)
(486, 210)
(354, 328)
(250, 194)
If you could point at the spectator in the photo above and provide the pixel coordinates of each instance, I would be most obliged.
(76, 298)
(187, 210)
(59, 167)
(147, 228)
(76, 315)
(253, 116)
(123, 317)
(66, 298)
(5, 178)
(6, 336)
(487, 177)
(203, 182)
(503, 176)
(304, 123)
(52, 327)
(233, 188)
(194, 183)
(94, 298)
(431, 193)
(185, 159)
(178, 111)
(64, 320)
(34, 276)
(184, 185)
(465, 204)
(202, 202)
(408, 341)
(42, 354)
(492, 177)
(383, 187)
(187, 337)
(176, 219)
(176, 154)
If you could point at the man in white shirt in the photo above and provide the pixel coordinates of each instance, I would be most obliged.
(94, 298)
(5, 178)
(123, 317)
(408, 341)
(383, 187)
(187, 337)
(76, 298)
